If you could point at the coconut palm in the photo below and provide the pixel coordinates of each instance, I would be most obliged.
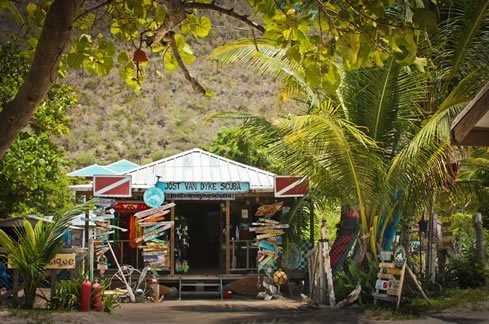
(33, 248)
(381, 142)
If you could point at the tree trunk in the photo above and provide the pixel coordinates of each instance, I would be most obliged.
(54, 39)
(29, 296)
(479, 237)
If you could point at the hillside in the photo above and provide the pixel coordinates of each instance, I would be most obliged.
(111, 122)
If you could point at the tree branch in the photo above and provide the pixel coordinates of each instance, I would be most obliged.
(86, 12)
(230, 12)
(174, 16)
(195, 84)
(53, 40)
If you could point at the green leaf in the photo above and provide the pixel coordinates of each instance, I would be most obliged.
(425, 19)
(75, 60)
(160, 15)
(171, 64)
(122, 58)
(203, 27)
(404, 47)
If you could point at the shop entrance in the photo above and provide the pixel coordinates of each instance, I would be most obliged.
(204, 235)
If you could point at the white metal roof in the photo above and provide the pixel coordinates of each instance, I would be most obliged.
(197, 165)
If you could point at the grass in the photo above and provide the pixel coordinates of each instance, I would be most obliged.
(470, 299)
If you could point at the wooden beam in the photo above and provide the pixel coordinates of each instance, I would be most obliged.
(228, 235)
(476, 137)
(465, 122)
(172, 241)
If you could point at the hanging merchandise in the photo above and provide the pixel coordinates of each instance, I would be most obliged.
(182, 242)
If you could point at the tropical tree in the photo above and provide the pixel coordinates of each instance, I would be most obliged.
(31, 171)
(380, 143)
(314, 33)
(34, 246)
(239, 144)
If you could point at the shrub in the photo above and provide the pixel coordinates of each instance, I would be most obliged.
(464, 271)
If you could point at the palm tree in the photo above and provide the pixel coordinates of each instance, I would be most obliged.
(34, 247)
(381, 142)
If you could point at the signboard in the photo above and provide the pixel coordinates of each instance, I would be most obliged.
(111, 186)
(200, 196)
(60, 261)
(130, 206)
(204, 187)
(290, 186)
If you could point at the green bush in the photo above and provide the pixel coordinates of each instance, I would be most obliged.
(66, 294)
(464, 271)
(346, 281)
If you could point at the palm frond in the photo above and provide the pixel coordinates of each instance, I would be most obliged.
(267, 59)
(383, 101)
(464, 39)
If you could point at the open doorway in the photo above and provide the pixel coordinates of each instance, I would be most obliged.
(204, 224)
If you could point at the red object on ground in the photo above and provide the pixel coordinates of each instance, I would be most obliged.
(227, 294)
(97, 297)
(86, 290)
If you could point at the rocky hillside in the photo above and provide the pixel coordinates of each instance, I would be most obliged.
(112, 122)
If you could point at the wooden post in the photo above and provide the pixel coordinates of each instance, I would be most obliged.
(228, 235)
(16, 286)
(321, 273)
(479, 237)
(172, 241)
(311, 223)
(91, 257)
(399, 292)
(327, 263)
(413, 276)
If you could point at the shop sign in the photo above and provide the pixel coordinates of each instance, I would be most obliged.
(60, 261)
(130, 206)
(204, 187)
(200, 196)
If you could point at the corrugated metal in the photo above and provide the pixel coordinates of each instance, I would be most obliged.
(197, 165)
(91, 170)
(121, 166)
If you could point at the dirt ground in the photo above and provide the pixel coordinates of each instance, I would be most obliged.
(235, 311)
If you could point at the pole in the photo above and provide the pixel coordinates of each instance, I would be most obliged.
(129, 289)
(228, 235)
(172, 241)
(311, 222)
(479, 237)
(91, 256)
(327, 263)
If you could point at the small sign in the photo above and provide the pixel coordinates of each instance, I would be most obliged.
(112, 186)
(60, 261)
(200, 196)
(244, 213)
(382, 284)
(291, 186)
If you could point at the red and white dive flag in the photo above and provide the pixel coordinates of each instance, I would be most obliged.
(111, 186)
(291, 186)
